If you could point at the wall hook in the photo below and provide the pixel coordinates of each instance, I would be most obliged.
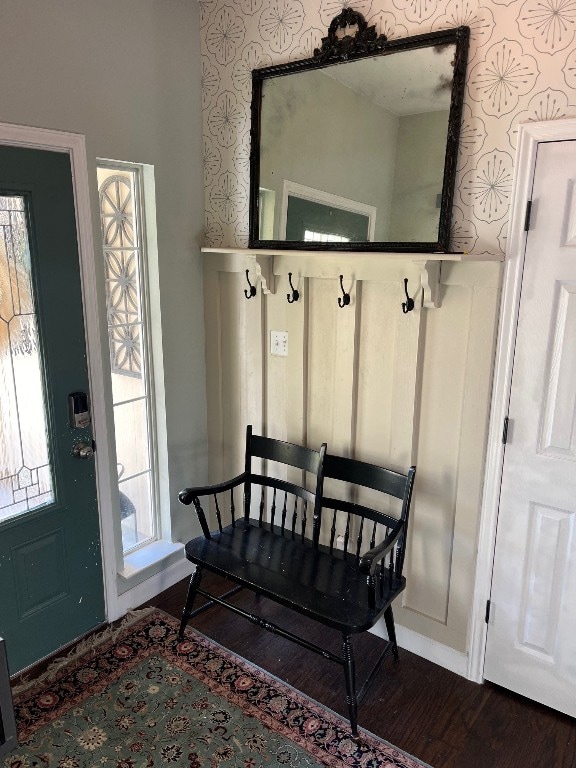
(343, 300)
(295, 294)
(408, 305)
(251, 291)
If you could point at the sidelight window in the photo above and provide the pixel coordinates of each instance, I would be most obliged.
(123, 220)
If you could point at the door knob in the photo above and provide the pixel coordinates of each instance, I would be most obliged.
(83, 451)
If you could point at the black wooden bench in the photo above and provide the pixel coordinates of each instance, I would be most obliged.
(334, 553)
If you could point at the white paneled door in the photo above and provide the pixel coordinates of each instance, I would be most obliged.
(531, 644)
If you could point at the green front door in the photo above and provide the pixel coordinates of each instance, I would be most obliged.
(51, 584)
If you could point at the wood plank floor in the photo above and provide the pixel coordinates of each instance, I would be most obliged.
(431, 713)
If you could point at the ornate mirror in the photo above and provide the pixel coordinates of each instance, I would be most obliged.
(357, 146)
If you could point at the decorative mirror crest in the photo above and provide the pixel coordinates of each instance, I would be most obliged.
(355, 148)
(365, 41)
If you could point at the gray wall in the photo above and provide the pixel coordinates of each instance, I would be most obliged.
(126, 75)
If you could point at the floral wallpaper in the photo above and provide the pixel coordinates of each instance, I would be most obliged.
(521, 68)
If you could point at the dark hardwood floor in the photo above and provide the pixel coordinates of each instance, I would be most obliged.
(433, 714)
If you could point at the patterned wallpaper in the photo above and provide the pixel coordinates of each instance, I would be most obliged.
(521, 68)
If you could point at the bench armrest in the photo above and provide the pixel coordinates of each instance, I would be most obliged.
(187, 495)
(370, 561)
(192, 495)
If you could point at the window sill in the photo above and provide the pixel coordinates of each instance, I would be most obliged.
(150, 559)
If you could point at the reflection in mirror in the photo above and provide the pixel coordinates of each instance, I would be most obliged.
(359, 153)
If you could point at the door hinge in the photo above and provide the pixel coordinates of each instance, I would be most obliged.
(528, 214)
(505, 430)
(487, 615)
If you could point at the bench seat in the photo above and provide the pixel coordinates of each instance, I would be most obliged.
(327, 587)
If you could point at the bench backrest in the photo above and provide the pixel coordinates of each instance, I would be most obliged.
(292, 500)
(288, 505)
(363, 526)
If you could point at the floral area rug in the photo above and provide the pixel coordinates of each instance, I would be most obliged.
(136, 697)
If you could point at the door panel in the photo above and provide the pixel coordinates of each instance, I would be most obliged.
(558, 435)
(530, 644)
(50, 559)
(41, 569)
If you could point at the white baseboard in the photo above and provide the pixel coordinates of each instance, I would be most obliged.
(432, 650)
(148, 589)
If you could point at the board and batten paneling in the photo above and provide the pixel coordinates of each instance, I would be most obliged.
(373, 383)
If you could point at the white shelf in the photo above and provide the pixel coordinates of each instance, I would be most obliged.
(265, 265)
(369, 255)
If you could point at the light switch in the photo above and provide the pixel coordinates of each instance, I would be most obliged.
(279, 343)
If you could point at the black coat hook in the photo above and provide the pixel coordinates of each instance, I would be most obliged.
(251, 291)
(408, 305)
(343, 300)
(295, 294)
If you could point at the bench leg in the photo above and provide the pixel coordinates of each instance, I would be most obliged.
(186, 613)
(389, 619)
(350, 675)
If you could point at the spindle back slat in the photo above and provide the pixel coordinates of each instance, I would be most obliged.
(333, 531)
(261, 510)
(359, 540)
(283, 523)
(347, 534)
(218, 514)
(273, 507)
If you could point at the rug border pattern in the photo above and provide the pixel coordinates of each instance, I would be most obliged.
(336, 747)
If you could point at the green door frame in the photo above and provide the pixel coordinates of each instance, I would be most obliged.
(74, 145)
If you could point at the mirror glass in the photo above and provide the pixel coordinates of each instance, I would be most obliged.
(359, 154)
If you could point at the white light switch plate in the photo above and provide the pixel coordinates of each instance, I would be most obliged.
(279, 343)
